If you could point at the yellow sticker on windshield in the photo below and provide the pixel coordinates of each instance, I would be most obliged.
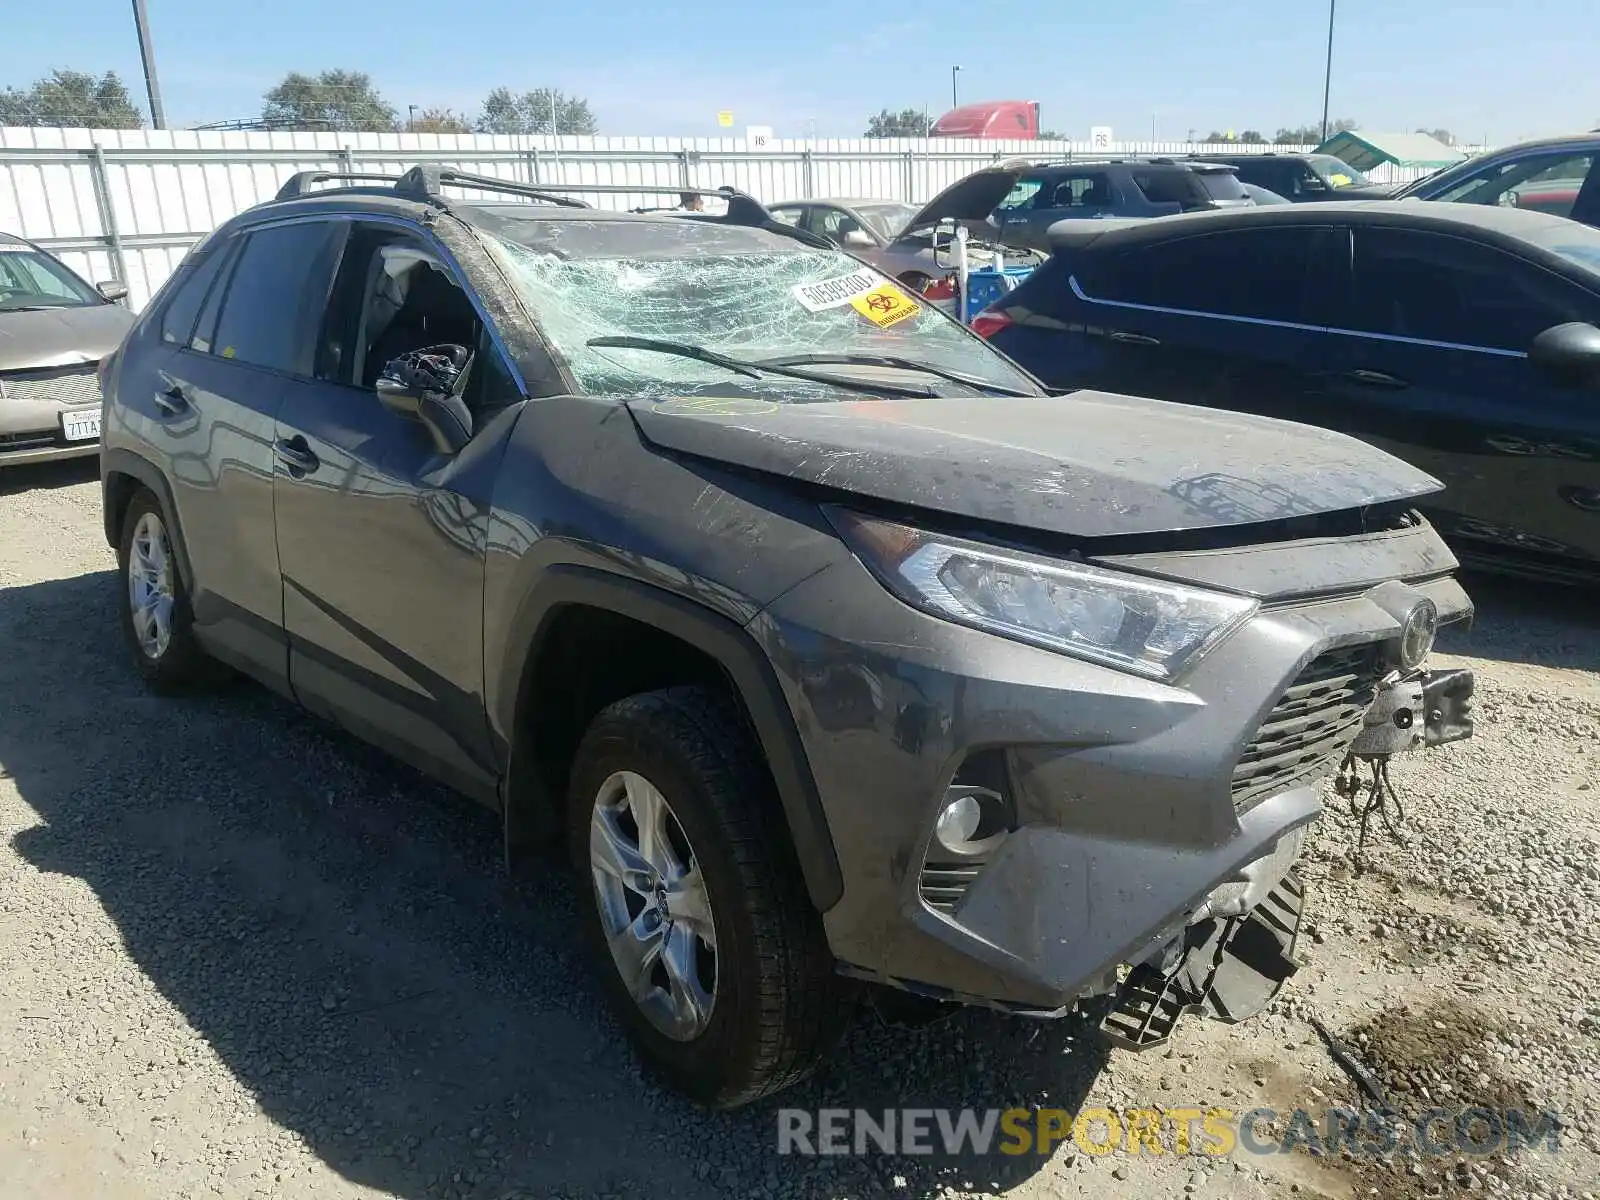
(1339, 180)
(885, 305)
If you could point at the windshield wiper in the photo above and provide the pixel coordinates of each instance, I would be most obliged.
(754, 370)
(899, 364)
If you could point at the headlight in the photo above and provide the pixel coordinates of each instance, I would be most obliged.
(1146, 626)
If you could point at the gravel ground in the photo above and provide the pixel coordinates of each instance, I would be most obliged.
(244, 955)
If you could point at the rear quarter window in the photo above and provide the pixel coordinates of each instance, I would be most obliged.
(1222, 185)
(1167, 187)
(183, 309)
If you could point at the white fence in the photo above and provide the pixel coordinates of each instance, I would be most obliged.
(127, 204)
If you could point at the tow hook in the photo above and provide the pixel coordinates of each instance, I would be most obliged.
(1416, 710)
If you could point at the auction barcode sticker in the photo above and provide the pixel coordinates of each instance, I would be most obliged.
(833, 293)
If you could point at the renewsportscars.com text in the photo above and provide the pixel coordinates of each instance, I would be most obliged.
(1209, 1131)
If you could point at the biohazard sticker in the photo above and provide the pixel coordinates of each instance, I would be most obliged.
(885, 305)
(832, 293)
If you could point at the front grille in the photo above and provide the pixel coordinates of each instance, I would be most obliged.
(943, 884)
(74, 385)
(1308, 730)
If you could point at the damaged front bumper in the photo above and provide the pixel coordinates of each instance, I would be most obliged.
(1150, 824)
(1239, 951)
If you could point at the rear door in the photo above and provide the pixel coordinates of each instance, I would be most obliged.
(1216, 319)
(1429, 360)
(229, 335)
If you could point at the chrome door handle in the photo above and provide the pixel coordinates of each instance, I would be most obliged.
(296, 455)
(173, 402)
(1379, 379)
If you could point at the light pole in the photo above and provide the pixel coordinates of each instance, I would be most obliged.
(141, 23)
(411, 118)
(554, 129)
(953, 102)
(1327, 75)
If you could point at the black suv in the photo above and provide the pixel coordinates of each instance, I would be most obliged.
(828, 645)
(1113, 187)
(1300, 178)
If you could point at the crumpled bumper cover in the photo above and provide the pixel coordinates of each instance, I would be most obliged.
(1128, 817)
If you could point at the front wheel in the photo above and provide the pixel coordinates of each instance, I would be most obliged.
(708, 945)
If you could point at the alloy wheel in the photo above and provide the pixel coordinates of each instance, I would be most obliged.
(150, 585)
(654, 909)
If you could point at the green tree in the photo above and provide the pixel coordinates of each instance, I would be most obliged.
(72, 99)
(439, 120)
(505, 111)
(907, 123)
(1252, 137)
(1214, 137)
(332, 100)
(1052, 135)
(1311, 135)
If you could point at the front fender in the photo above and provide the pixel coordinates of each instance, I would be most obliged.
(741, 659)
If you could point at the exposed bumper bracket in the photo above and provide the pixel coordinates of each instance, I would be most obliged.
(1231, 970)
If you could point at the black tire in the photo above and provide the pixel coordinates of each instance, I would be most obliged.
(779, 1006)
(181, 664)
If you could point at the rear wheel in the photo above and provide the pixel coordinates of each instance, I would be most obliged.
(707, 943)
(157, 621)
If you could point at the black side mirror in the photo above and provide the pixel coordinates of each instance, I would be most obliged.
(112, 290)
(425, 384)
(1568, 354)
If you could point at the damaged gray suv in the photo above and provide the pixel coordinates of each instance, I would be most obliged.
(833, 652)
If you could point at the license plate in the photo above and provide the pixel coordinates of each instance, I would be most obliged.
(81, 426)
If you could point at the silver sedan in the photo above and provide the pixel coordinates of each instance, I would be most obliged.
(54, 330)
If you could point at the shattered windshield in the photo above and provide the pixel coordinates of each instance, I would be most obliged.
(745, 294)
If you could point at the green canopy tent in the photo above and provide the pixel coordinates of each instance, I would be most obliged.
(1363, 151)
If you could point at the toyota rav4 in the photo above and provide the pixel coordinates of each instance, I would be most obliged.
(835, 653)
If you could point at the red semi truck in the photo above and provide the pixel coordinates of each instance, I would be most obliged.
(1011, 119)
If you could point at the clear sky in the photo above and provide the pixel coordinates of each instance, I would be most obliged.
(1481, 68)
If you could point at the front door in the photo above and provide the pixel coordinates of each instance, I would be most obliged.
(380, 534)
(1429, 361)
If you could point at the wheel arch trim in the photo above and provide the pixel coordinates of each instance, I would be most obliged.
(742, 661)
(125, 462)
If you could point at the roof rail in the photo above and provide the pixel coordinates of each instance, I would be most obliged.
(302, 182)
(423, 182)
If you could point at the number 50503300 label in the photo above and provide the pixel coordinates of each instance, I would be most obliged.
(832, 293)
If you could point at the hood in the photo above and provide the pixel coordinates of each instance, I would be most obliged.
(61, 337)
(1089, 464)
(969, 200)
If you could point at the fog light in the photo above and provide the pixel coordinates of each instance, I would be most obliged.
(1417, 634)
(972, 822)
